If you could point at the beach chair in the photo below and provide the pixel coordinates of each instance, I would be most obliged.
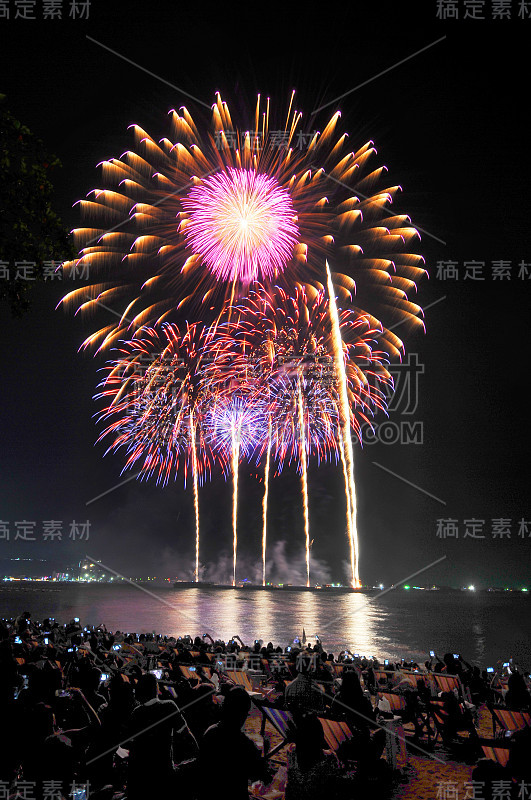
(335, 732)
(439, 716)
(496, 750)
(266, 668)
(380, 677)
(507, 720)
(398, 706)
(280, 720)
(431, 683)
(396, 701)
(190, 673)
(240, 678)
(452, 683)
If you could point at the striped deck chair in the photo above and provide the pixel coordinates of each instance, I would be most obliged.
(440, 716)
(451, 683)
(380, 676)
(507, 720)
(280, 720)
(431, 683)
(190, 673)
(412, 677)
(396, 701)
(335, 732)
(240, 678)
(265, 667)
(496, 751)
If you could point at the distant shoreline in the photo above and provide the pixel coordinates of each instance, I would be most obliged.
(41, 586)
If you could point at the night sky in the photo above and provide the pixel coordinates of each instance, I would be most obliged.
(451, 124)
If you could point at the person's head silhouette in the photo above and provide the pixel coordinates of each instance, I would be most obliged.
(236, 707)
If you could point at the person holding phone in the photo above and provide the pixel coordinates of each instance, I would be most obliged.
(157, 736)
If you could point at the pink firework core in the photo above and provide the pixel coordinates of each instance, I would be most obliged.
(242, 225)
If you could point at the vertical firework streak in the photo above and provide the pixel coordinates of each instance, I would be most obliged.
(345, 439)
(235, 461)
(264, 503)
(304, 483)
(196, 495)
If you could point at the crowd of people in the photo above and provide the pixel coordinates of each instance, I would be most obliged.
(101, 714)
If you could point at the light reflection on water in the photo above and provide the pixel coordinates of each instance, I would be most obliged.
(483, 627)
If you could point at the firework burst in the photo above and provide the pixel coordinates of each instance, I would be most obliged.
(234, 227)
(190, 220)
(156, 398)
(241, 223)
(282, 342)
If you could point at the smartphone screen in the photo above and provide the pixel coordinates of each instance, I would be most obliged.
(432, 653)
(490, 669)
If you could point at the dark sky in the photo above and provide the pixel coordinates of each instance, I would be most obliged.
(451, 124)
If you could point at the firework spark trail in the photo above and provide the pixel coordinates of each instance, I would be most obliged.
(196, 495)
(235, 463)
(304, 484)
(345, 438)
(264, 504)
(345, 477)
